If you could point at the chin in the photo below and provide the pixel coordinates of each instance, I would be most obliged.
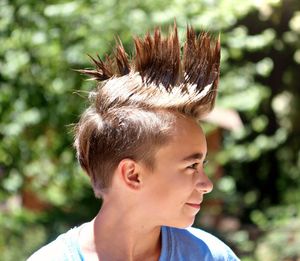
(184, 223)
(187, 224)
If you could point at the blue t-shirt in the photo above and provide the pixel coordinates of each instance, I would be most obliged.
(177, 245)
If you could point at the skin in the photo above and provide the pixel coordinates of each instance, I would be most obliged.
(140, 201)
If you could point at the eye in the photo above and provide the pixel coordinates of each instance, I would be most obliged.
(205, 162)
(196, 165)
(193, 166)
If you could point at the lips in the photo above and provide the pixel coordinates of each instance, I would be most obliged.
(194, 205)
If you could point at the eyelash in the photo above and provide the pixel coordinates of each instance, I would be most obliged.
(195, 165)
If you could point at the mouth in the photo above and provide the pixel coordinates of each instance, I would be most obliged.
(194, 205)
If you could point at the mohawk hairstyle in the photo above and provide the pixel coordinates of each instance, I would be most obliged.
(135, 107)
(157, 77)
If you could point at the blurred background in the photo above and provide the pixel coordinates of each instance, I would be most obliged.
(253, 135)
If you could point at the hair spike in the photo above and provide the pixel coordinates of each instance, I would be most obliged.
(156, 76)
(121, 58)
(157, 59)
(201, 64)
(103, 70)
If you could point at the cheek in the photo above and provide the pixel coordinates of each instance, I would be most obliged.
(170, 183)
(176, 189)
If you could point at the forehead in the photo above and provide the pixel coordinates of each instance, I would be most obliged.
(187, 139)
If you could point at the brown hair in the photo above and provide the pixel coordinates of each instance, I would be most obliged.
(135, 104)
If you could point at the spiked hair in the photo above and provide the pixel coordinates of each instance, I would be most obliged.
(158, 76)
(127, 105)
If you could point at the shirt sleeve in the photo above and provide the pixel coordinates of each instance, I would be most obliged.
(51, 252)
(64, 248)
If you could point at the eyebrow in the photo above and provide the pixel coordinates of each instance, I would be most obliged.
(194, 156)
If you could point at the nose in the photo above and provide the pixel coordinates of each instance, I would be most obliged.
(204, 184)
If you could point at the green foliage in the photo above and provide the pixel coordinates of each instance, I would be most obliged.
(41, 96)
(16, 230)
(282, 233)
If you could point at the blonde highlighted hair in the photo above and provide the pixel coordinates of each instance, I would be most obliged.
(134, 105)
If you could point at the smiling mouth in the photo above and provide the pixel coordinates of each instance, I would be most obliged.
(194, 205)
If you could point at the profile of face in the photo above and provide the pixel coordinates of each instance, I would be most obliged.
(173, 191)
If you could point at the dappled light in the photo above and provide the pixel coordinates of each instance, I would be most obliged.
(253, 135)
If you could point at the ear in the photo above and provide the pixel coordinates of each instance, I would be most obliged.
(130, 173)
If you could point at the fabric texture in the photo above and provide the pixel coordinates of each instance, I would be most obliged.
(177, 245)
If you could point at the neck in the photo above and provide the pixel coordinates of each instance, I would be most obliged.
(118, 234)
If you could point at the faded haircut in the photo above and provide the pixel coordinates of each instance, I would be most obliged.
(134, 107)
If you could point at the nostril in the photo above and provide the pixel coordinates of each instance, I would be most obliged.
(210, 187)
(205, 186)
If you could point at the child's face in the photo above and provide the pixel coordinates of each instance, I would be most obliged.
(175, 189)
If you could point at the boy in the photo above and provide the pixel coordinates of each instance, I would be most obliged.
(141, 145)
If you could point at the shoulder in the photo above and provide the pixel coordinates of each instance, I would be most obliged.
(201, 244)
(63, 248)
